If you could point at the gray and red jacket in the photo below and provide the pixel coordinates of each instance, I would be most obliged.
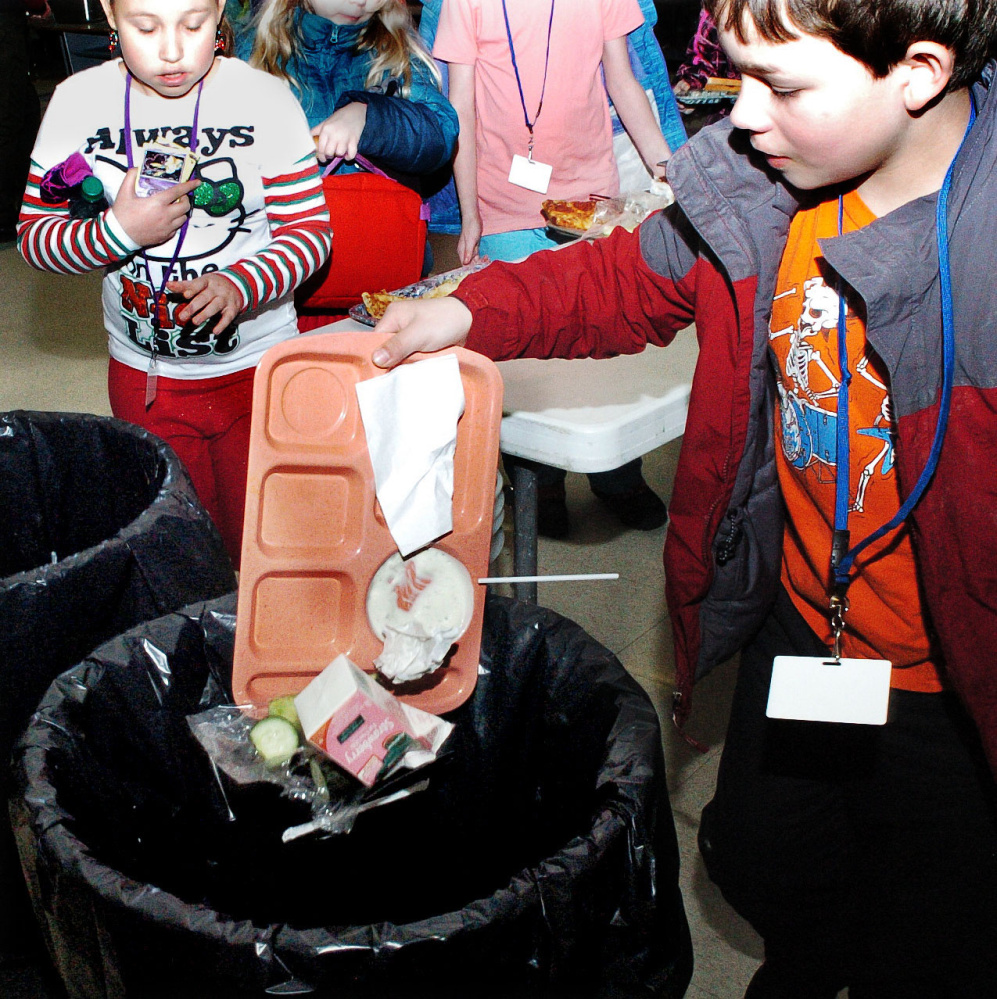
(712, 259)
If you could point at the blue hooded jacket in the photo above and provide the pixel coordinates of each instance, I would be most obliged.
(411, 135)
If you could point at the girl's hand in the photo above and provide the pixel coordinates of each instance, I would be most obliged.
(209, 295)
(154, 220)
(680, 89)
(429, 325)
(470, 237)
(339, 134)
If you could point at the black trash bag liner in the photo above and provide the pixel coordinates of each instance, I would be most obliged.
(100, 529)
(541, 861)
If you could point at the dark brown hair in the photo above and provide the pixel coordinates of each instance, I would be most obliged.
(875, 32)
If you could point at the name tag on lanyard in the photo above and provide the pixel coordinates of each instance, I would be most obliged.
(531, 174)
(857, 691)
(525, 171)
(811, 688)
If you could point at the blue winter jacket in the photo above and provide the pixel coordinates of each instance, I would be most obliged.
(413, 135)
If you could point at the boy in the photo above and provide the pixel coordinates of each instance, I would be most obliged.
(865, 855)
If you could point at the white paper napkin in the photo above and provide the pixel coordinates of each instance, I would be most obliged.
(410, 418)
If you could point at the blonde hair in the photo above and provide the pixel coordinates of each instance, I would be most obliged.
(389, 35)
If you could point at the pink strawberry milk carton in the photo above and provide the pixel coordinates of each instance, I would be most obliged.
(347, 715)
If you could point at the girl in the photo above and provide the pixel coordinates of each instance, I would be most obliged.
(365, 80)
(704, 57)
(529, 80)
(198, 275)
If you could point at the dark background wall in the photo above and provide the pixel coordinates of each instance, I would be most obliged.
(676, 23)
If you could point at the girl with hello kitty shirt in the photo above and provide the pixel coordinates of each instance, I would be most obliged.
(198, 276)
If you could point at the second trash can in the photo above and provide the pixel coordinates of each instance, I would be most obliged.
(100, 529)
(542, 859)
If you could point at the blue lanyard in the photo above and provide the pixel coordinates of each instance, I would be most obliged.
(515, 69)
(843, 557)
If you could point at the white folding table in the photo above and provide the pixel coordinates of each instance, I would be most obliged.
(588, 416)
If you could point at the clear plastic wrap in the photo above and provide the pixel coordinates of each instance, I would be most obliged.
(309, 777)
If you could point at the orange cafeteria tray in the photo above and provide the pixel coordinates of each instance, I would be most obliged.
(314, 534)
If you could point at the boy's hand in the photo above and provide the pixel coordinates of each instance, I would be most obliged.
(421, 326)
(154, 220)
(209, 295)
(339, 134)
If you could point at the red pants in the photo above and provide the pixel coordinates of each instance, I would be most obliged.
(206, 421)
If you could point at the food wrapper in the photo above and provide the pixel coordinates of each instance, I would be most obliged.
(626, 211)
(334, 797)
(435, 286)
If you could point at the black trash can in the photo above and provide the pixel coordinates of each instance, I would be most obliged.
(100, 529)
(541, 861)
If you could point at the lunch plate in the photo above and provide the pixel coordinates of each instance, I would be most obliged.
(314, 534)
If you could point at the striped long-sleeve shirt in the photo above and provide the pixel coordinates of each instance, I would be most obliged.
(52, 241)
(260, 218)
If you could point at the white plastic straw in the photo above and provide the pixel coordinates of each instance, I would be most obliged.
(577, 577)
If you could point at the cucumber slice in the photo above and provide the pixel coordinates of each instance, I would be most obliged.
(283, 707)
(275, 739)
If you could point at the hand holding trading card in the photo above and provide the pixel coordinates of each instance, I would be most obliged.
(163, 165)
(209, 295)
(155, 219)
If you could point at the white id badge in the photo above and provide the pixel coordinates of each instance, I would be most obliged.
(532, 175)
(808, 688)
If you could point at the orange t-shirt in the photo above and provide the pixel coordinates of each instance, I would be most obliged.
(885, 618)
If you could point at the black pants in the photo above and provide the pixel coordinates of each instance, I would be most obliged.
(865, 856)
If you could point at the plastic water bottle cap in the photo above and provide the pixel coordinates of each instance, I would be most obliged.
(91, 189)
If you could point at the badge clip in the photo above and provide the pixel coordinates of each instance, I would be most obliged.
(839, 606)
(151, 381)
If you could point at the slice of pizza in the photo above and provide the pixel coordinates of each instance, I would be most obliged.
(578, 215)
(377, 301)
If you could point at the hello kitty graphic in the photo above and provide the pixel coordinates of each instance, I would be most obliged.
(220, 219)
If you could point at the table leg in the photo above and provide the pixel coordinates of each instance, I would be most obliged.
(524, 507)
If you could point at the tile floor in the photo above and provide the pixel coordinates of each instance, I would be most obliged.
(53, 357)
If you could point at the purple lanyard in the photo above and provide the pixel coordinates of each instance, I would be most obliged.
(150, 392)
(515, 69)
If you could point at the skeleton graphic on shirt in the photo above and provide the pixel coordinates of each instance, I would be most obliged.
(808, 430)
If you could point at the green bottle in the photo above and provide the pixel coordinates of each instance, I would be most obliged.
(89, 200)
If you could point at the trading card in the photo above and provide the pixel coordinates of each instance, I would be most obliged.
(163, 165)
